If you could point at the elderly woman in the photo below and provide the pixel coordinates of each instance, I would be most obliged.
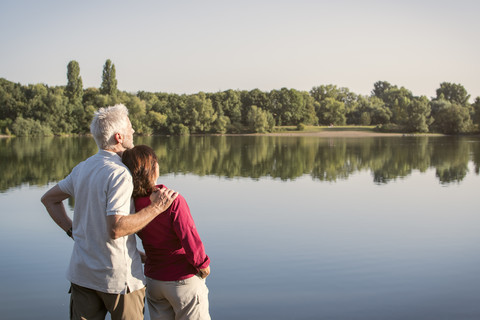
(176, 264)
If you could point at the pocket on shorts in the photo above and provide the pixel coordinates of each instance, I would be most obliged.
(180, 282)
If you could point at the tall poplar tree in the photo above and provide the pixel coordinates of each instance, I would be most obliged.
(74, 89)
(109, 81)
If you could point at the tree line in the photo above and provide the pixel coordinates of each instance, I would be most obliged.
(29, 160)
(42, 110)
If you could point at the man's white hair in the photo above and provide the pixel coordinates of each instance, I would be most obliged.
(106, 123)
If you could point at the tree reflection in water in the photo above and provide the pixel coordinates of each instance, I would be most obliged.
(38, 161)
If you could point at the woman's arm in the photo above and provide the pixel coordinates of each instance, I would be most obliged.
(186, 231)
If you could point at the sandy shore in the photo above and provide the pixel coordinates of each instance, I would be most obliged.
(336, 133)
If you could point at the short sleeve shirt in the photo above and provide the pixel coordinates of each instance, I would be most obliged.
(102, 186)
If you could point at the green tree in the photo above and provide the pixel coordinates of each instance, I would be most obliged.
(74, 92)
(411, 114)
(286, 105)
(30, 128)
(109, 81)
(221, 124)
(90, 97)
(156, 121)
(137, 112)
(380, 113)
(365, 119)
(418, 115)
(455, 117)
(49, 106)
(331, 111)
(200, 113)
(323, 92)
(370, 110)
(259, 120)
(450, 118)
(254, 97)
(64, 118)
(308, 115)
(333, 105)
(5, 126)
(229, 104)
(12, 100)
(175, 108)
(397, 100)
(74, 88)
(455, 93)
(342, 94)
(379, 89)
(362, 114)
(291, 107)
(476, 111)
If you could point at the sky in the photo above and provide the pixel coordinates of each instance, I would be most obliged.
(211, 46)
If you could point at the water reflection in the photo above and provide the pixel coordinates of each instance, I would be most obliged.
(39, 161)
(42, 160)
(381, 238)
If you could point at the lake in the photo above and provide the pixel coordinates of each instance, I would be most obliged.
(296, 227)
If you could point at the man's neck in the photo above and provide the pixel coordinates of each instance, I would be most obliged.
(118, 149)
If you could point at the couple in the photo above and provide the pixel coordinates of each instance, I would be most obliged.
(106, 268)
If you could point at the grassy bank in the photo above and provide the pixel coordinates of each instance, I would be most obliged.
(314, 129)
(339, 131)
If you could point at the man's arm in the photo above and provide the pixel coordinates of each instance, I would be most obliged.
(120, 226)
(52, 200)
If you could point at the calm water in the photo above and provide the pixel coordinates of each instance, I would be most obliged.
(297, 228)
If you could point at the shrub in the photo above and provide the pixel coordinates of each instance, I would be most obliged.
(30, 128)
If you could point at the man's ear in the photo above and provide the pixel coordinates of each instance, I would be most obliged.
(118, 138)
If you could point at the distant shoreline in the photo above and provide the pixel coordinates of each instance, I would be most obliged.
(332, 134)
(326, 132)
(337, 134)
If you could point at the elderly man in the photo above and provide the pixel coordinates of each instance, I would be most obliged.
(105, 268)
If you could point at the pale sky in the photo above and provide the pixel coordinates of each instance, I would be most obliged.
(210, 46)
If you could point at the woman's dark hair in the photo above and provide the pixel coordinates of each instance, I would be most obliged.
(141, 161)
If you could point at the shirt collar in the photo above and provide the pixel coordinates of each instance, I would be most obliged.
(107, 153)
